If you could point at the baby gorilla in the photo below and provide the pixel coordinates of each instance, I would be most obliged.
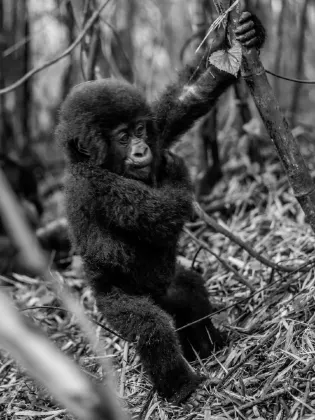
(127, 200)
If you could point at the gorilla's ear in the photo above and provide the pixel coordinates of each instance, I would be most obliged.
(90, 145)
(80, 146)
(99, 150)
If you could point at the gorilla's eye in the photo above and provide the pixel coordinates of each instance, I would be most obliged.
(139, 131)
(123, 138)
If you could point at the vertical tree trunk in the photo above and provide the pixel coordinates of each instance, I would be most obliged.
(94, 49)
(123, 51)
(198, 18)
(67, 77)
(2, 103)
(93, 59)
(244, 114)
(169, 30)
(20, 115)
(26, 90)
(78, 11)
(298, 174)
(6, 38)
(299, 63)
(199, 24)
(279, 47)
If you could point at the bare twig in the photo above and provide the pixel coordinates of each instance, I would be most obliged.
(239, 277)
(220, 229)
(24, 40)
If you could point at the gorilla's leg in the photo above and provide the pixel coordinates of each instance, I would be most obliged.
(187, 301)
(138, 319)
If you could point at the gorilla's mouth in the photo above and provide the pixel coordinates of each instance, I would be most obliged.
(142, 169)
(140, 172)
(139, 168)
(139, 163)
(143, 165)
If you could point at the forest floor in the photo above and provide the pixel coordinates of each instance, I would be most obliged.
(267, 369)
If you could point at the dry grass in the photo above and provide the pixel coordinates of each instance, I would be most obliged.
(267, 372)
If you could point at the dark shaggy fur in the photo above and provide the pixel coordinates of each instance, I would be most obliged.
(127, 231)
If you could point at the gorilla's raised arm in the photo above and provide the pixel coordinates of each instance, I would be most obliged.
(199, 85)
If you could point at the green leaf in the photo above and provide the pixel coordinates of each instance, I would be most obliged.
(228, 60)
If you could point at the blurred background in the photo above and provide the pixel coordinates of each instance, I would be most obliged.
(140, 41)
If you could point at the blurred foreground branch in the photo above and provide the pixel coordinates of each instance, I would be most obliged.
(65, 381)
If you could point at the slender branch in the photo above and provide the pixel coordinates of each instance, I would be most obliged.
(220, 229)
(43, 66)
(21, 42)
(291, 79)
(244, 300)
(221, 260)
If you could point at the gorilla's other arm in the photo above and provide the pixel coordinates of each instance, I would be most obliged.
(132, 206)
(135, 207)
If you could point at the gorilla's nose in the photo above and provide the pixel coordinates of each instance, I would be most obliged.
(142, 151)
(141, 155)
